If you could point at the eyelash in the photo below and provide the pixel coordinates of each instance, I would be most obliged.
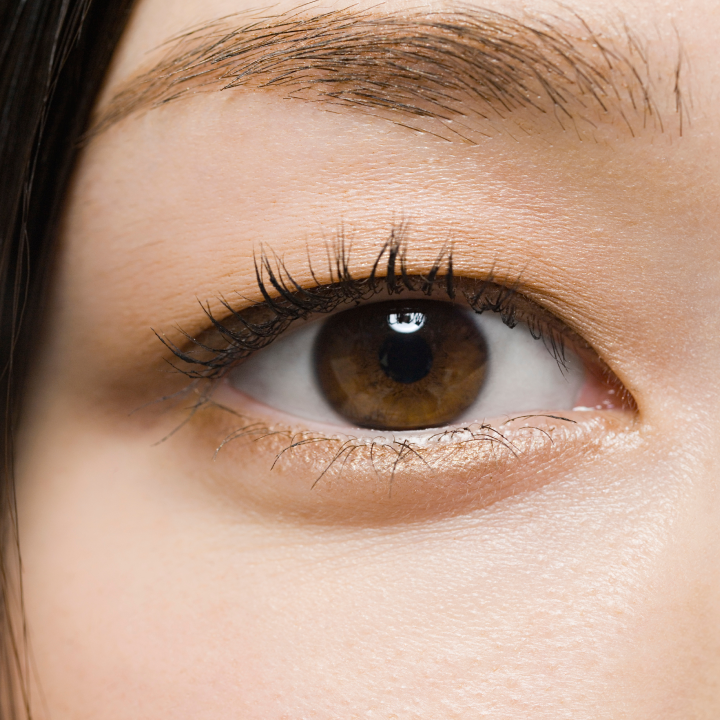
(245, 332)
(241, 333)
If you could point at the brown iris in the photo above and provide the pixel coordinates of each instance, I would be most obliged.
(401, 365)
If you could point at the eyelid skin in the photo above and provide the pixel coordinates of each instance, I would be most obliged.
(240, 333)
(289, 473)
(329, 474)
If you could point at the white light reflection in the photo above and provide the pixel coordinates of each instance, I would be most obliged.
(406, 322)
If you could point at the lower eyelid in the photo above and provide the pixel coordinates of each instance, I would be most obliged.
(292, 472)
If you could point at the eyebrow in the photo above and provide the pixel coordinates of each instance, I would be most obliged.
(453, 68)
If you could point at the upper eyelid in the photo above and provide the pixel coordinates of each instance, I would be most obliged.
(279, 292)
(481, 295)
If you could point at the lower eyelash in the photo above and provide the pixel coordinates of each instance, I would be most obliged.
(385, 454)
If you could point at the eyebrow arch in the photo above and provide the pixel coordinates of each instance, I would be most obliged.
(453, 68)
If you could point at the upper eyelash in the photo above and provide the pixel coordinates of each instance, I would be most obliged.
(285, 301)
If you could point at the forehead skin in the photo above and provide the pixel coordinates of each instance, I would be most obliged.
(158, 586)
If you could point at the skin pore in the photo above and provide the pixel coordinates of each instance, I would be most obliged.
(575, 578)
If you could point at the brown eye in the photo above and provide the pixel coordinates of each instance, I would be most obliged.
(401, 365)
(407, 365)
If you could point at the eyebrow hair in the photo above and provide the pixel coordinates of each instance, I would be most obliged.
(449, 67)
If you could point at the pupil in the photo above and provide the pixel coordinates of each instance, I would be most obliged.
(405, 358)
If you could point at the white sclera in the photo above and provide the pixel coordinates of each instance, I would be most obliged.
(522, 375)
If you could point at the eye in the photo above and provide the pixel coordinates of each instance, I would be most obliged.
(393, 395)
(402, 365)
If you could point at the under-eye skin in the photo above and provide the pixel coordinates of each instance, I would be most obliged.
(396, 353)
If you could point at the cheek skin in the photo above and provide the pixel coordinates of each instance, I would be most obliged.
(588, 598)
